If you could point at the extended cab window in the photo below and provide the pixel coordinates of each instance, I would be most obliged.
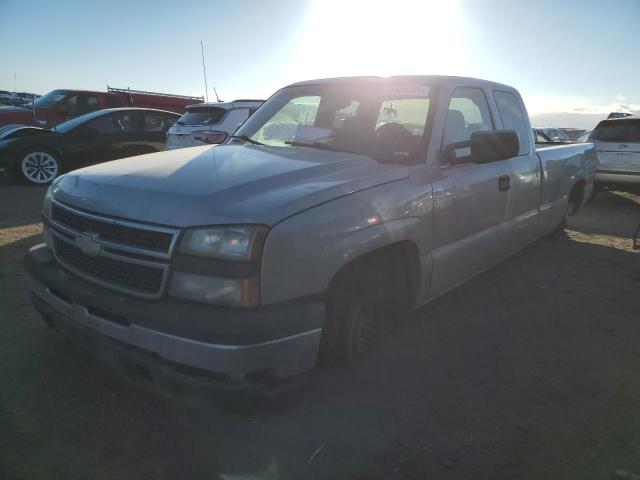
(513, 117)
(468, 112)
(385, 121)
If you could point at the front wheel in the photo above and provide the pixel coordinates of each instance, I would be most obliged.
(38, 166)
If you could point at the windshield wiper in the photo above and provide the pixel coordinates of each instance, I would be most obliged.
(247, 139)
(319, 146)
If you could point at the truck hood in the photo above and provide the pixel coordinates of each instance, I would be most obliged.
(221, 184)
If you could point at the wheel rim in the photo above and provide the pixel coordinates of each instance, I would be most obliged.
(39, 167)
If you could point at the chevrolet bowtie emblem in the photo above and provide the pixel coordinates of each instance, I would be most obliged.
(88, 244)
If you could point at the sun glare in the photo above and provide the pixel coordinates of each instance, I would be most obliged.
(360, 37)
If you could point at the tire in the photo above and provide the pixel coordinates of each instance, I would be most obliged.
(354, 321)
(38, 166)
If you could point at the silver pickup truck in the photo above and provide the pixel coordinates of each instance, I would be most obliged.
(340, 205)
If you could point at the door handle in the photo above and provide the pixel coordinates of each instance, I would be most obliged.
(504, 183)
(622, 146)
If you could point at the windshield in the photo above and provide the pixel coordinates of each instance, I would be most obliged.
(50, 99)
(202, 116)
(385, 121)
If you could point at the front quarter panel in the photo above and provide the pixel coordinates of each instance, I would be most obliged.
(303, 253)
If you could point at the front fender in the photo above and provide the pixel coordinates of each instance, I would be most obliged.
(303, 253)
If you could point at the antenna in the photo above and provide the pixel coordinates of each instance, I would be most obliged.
(204, 70)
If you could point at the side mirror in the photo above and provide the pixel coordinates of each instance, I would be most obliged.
(64, 109)
(493, 145)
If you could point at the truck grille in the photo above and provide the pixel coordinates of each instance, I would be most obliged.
(138, 278)
(113, 232)
(125, 256)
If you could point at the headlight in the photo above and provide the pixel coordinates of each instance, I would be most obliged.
(230, 242)
(46, 204)
(223, 291)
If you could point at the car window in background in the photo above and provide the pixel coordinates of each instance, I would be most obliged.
(50, 99)
(157, 122)
(584, 137)
(468, 113)
(617, 131)
(202, 116)
(513, 118)
(113, 101)
(121, 122)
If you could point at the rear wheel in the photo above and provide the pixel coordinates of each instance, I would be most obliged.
(38, 166)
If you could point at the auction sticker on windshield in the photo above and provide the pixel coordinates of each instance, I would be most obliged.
(406, 90)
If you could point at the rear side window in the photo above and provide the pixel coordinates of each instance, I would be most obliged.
(202, 116)
(617, 131)
(513, 117)
(113, 101)
(157, 122)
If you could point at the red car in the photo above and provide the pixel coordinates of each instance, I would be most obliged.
(61, 105)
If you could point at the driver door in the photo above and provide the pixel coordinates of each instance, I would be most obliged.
(470, 203)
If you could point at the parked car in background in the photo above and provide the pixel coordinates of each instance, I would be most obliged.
(573, 133)
(59, 106)
(619, 115)
(584, 137)
(617, 143)
(339, 205)
(8, 98)
(39, 155)
(25, 98)
(551, 135)
(210, 123)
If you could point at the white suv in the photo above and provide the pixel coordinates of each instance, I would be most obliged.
(617, 143)
(209, 123)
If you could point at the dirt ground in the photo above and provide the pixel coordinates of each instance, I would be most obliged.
(530, 371)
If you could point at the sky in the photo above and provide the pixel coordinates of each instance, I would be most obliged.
(572, 60)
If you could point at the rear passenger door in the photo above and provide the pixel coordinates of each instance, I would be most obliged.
(470, 207)
(117, 135)
(523, 171)
(154, 130)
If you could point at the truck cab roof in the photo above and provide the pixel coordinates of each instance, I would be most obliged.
(432, 79)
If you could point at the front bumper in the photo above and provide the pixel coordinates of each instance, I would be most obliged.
(171, 339)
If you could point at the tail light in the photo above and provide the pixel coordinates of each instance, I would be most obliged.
(209, 136)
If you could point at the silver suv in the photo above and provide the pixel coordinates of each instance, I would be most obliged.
(209, 123)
